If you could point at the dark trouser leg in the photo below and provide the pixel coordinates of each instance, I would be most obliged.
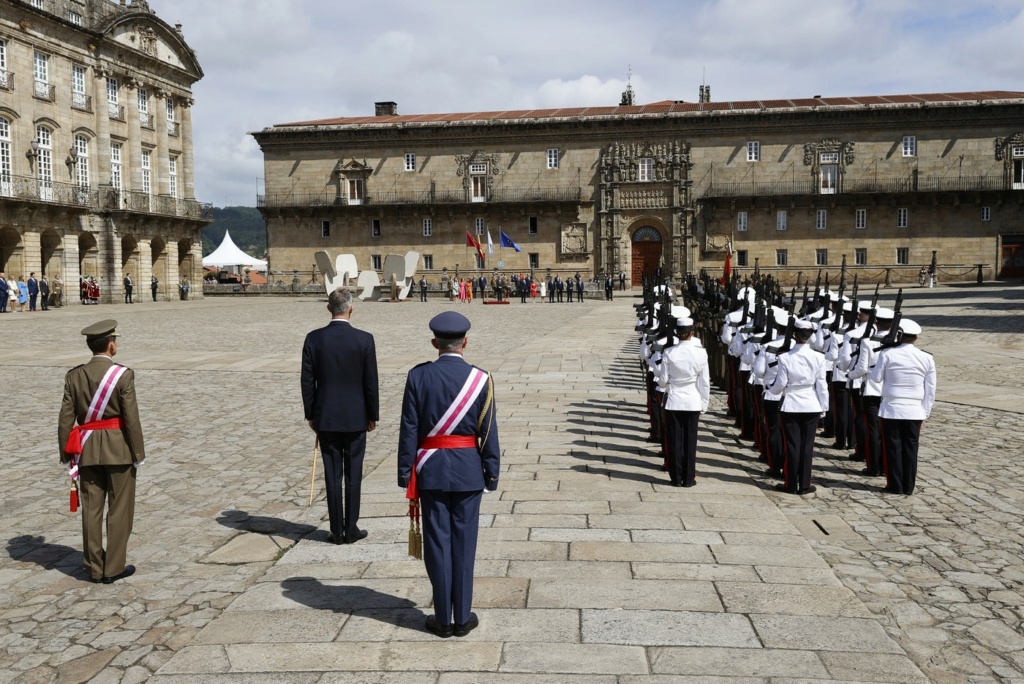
(808, 429)
(674, 445)
(799, 429)
(92, 490)
(859, 426)
(873, 444)
(830, 425)
(342, 454)
(114, 487)
(690, 420)
(354, 451)
(437, 550)
(893, 445)
(910, 436)
(747, 416)
(791, 433)
(776, 448)
(657, 429)
(32, 302)
(841, 413)
(465, 524)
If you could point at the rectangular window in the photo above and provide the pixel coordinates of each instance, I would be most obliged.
(534, 260)
(781, 219)
(741, 257)
(478, 169)
(480, 224)
(144, 107)
(5, 158)
(74, 17)
(986, 213)
(1018, 166)
(781, 257)
(38, 4)
(821, 257)
(901, 217)
(821, 221)
(82, 162)
(410, 161)
(909, 146)
(902, 256)
(41, 70)
(646, 170)
(375, 230)
(112, 91)
(147, 171)
(4, 79)
(115, 166)
(860, 219)
(355, 190)
(428, 227)
(375, 261)
(172, 176)
(533, 225)
(428, 262)
(741, 221)
(828, 181)
(325, 229)
(753, 151)
(78, 97)
(44, 162)
(170, 109)
(479, 186)
(860, 256)
(553, 158)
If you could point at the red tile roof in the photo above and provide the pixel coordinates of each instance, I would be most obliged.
(667, 107)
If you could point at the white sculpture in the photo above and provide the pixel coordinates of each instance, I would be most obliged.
(345, 268)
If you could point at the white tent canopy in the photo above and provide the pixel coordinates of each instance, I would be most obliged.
(228, 254)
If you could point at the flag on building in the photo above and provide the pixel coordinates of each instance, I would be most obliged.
(490, 245)
(471, 241)
(727, 271)
(506, 241)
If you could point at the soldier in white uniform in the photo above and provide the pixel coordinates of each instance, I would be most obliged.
(766, 367)
(908, 380)
(871, 394)
(842, 411)
(685, 376)
(801, 380)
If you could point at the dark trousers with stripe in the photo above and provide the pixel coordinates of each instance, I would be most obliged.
(342, 454)
(841, 411)
(873, 439)
(746, 406)
(901, 438)
(830, 416)
(859, 431)
(681, 445)
(799, 430)
(776, 441)
(451, 522)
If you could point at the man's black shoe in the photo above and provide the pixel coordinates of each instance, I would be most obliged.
(467, 627)
(331, 539)
(772, 472)
(690, 484)
(854, 457)
(838, 446)
(782, 488)
(809, 490)
(360, 534)
(869, 473)
(128, 571)
(443, 631)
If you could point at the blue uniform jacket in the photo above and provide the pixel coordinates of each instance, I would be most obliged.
(429, 390)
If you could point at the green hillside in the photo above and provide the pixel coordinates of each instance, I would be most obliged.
(247, 230)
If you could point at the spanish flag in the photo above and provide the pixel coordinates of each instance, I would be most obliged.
(471, 241)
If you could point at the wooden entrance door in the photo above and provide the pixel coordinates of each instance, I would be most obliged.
(646, 253)
(1012, 262)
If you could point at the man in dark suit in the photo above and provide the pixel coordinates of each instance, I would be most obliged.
(423, 288)
(128, 287)
(33, 291)
(448, 454)
(341, 401)
(482, 284)
(100, 437)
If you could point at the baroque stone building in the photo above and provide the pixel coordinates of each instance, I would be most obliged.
(791, 185)
(96, 162)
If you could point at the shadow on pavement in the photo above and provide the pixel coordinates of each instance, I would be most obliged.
(35, 549)
(352, 600)
(261, 524)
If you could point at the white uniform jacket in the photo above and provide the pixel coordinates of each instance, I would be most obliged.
(847, 353)
(908, 381)
(766, 366)
(685, 376)
(822, 340)
(801, 379)
(865, 363)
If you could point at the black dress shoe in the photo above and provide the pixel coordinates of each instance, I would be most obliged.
(838, 446)
(782, 488)
(690, 484)
(869, 472)
(809, 490)
(854, 457)
(437, 629)
(128, 571)
(352, 539)
(828, 435)
(772, 472)
(890, 490)
(467, 627)
(331, 539)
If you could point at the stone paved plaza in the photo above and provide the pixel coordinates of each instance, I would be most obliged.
(590, 568)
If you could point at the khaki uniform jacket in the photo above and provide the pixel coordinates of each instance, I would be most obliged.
(104, 447)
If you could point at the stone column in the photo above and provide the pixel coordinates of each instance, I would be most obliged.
(69, 271)
(196, 276)
(142, 292)
(109, 243)
(102, 130)
(160, 184)
(32, 253)
(186, 173)
(133, 179)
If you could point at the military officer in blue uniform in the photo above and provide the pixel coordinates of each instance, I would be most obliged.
(448, 455)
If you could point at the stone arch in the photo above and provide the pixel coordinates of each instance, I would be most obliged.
(88, 256)
(186, 262)
(160, 267)
(130, 254)
(648, 247)
(51, 252)
(12, 252)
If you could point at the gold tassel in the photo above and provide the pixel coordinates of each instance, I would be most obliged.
(415, 538)
(418, 542)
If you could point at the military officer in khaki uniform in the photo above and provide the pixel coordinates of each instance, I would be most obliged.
(100, 438)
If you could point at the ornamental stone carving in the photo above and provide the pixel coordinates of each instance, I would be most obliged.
(716, 242)
(1003, 145)
(813, 151)
(644, 199)
(574, 238)
(625, 159)
(465, 161)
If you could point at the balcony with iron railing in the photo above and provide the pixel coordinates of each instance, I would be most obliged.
(854, 186)
(28, 189)
(146, 121)
(6, 80)
(421, 197)
(173, 129)
(81, 102)
(115, 111)
(45, 91)
(144, 203)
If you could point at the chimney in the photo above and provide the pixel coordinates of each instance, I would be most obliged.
(385, 109)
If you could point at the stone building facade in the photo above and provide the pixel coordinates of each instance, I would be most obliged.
(791, 185)
(96, 160)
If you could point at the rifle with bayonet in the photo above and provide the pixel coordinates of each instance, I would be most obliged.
(852, 323)
(874, 300)
(792, 302)
(893, 337)
(838, 318)
(787, 342)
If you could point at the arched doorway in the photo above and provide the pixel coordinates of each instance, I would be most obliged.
(11, 252)
(647, 253)
(185, 261)
(51, 249)
(158, 250)
(88, 257)
(130, 258)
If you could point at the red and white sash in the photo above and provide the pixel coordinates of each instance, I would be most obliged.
(97, 407)
(471, 389)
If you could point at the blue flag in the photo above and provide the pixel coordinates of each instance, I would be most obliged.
(506, 241)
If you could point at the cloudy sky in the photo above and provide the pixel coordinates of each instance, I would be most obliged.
(275, 61)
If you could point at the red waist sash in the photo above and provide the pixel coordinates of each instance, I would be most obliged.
(74, 445)
(448, 442)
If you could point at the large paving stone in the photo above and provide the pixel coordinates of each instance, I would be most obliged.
(340, 596)
(731, 662)
(695, 571)
(249, 548)
(592, 570)
(271, 627)
(790, 599)
(574, 659)
(633, 595)
(668, 628)
(873, 667)
(438, 655)
(767, 555)
(823, 634)
(531, 550)
(496, 625)
(573, 535)
(530, 678)
(621, 551)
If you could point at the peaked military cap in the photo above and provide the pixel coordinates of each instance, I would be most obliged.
(107, 328)
(910, 327)
(450, 324)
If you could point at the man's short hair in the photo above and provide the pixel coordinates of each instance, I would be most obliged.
(802, 335)
(98, 345)
(339, 301)
(447, 345)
